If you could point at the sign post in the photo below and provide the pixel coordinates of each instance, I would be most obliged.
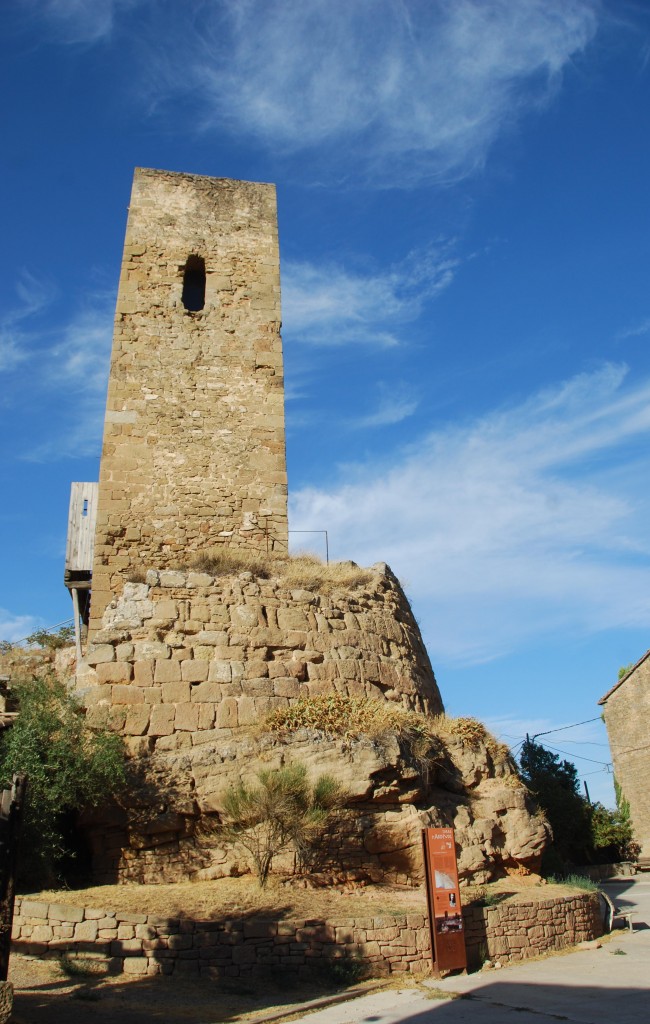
(443, 899)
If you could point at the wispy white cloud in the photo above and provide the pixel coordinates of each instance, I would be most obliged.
(33, 296)
(80, 21)
(77, 366)
(388, 92)
(329, 304)
(531, 519)
(637, 331)
(396, 403)
(397, 92)
(63, 364)
(16, 627)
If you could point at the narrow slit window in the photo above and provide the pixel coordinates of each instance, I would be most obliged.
(85, 508)
(193, 296)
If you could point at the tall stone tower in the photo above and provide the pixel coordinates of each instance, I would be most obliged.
(194, 445)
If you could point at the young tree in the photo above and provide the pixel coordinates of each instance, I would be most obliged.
(282, 810)
(68, 767)
(555, 786)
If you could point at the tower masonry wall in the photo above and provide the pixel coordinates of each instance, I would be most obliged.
(185, 657)
(194, 452)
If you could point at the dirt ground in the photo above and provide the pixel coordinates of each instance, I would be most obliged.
(47, 993)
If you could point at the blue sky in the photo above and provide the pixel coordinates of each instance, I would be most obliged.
(463, 205)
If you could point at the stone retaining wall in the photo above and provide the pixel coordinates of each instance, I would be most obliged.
(512, 931)
(148, 944)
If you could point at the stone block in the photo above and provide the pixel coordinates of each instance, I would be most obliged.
(63, 912)
(136, 965)
(206, 716)
(246, 711)
(187, 717)
(149, 650)
(85, 931)
(143, 673)
(175, 693)
(207, 691)
(211, 637)
(162, 720)
(226, 714)
(127, 695)
(137, 719)
(114, 672)
(99, 654)
(220, 671)
(194, 671)
(167, 672)
(168, 578)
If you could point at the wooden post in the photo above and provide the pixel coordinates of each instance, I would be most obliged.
(77, 628)
(11, 812)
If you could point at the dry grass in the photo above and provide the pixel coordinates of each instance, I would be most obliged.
(310, 573)
(223, 561)
(473, 734)
(338, 715)
(228, 897)
(306, 572)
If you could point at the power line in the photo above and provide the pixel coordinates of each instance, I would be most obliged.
(579, 756)
(561, 728)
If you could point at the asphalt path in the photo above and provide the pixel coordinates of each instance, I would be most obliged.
(609, 985)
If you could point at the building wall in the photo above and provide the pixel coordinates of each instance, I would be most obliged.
(194, 451)
(627, 714)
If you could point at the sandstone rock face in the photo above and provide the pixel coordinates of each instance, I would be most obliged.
(378, 835)
(187, 667)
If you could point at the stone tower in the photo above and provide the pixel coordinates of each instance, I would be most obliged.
(194, 446)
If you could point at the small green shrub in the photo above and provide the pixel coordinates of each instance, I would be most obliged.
(281, 811)
(576, 881)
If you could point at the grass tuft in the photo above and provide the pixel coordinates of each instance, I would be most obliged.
(306, 572)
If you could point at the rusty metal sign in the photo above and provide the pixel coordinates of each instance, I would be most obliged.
(443, 899)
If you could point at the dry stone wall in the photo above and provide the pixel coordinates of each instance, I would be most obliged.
(144, 944)
(194, 446)
(185, 658)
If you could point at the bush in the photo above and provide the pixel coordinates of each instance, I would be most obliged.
(611, 833)
(68, 767)
(63, 637)
(280, 812)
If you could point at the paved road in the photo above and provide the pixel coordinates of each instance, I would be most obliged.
(610, 985)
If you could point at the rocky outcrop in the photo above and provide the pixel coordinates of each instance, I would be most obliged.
(389, 799)
(188, 668)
